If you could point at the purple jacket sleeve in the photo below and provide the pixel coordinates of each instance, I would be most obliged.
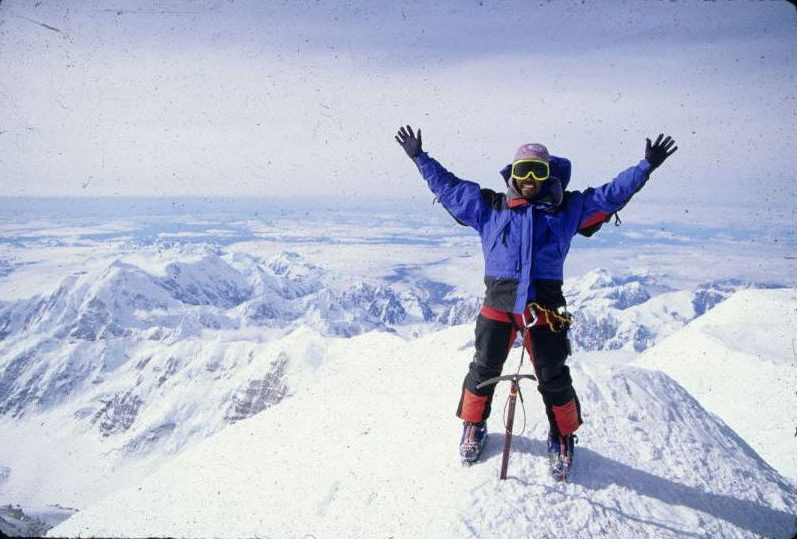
(462, 199)
(600, 202)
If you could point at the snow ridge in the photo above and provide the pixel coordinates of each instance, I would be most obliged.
(739, 360)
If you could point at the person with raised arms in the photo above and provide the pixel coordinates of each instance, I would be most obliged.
(525, 235)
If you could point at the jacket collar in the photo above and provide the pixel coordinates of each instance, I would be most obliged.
(513, 198)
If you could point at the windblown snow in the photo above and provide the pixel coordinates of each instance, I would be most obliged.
(368, 448)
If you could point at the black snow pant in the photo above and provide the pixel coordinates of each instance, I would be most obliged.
(495, 335)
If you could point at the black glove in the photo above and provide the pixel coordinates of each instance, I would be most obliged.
(660, 150)
(406, 138)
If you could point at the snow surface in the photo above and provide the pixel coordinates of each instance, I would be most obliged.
(368, 448)
(740, 362)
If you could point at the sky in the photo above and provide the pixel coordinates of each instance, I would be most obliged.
(297, 99)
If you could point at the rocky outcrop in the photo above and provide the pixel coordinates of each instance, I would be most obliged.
(259, 393)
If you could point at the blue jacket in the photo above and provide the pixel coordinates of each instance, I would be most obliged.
(525, 244)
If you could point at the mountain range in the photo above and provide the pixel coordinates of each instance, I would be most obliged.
(129, 368)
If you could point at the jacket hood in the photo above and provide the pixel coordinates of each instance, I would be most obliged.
(552, 192)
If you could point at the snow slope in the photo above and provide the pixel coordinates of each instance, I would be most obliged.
(150, 407)
(740, 362)
(369, 449)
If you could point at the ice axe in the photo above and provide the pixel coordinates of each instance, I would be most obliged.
(529, 319)
(514, 391)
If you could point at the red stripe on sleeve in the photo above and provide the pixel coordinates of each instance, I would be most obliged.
(593, 219)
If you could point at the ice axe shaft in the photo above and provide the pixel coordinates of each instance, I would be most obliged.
(510, 420)
(514, 390)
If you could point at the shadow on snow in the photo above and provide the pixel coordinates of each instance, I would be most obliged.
(596, 472)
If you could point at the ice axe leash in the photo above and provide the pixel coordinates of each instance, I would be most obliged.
(514, 391)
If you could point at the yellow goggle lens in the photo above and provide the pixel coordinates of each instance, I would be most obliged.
(536, 169)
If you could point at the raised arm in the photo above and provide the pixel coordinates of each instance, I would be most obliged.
(462, 199)
(601, 202)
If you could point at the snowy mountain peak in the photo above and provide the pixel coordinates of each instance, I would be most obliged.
(209, 281)
(620, 291)
(597, 278)
(292, 265)
(647, 447)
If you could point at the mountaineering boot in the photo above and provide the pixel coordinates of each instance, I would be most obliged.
(474, 436)
(560, 454)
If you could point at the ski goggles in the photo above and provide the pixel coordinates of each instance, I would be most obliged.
(535, 169)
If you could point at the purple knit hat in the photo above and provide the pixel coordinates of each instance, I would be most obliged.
(532, 151)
